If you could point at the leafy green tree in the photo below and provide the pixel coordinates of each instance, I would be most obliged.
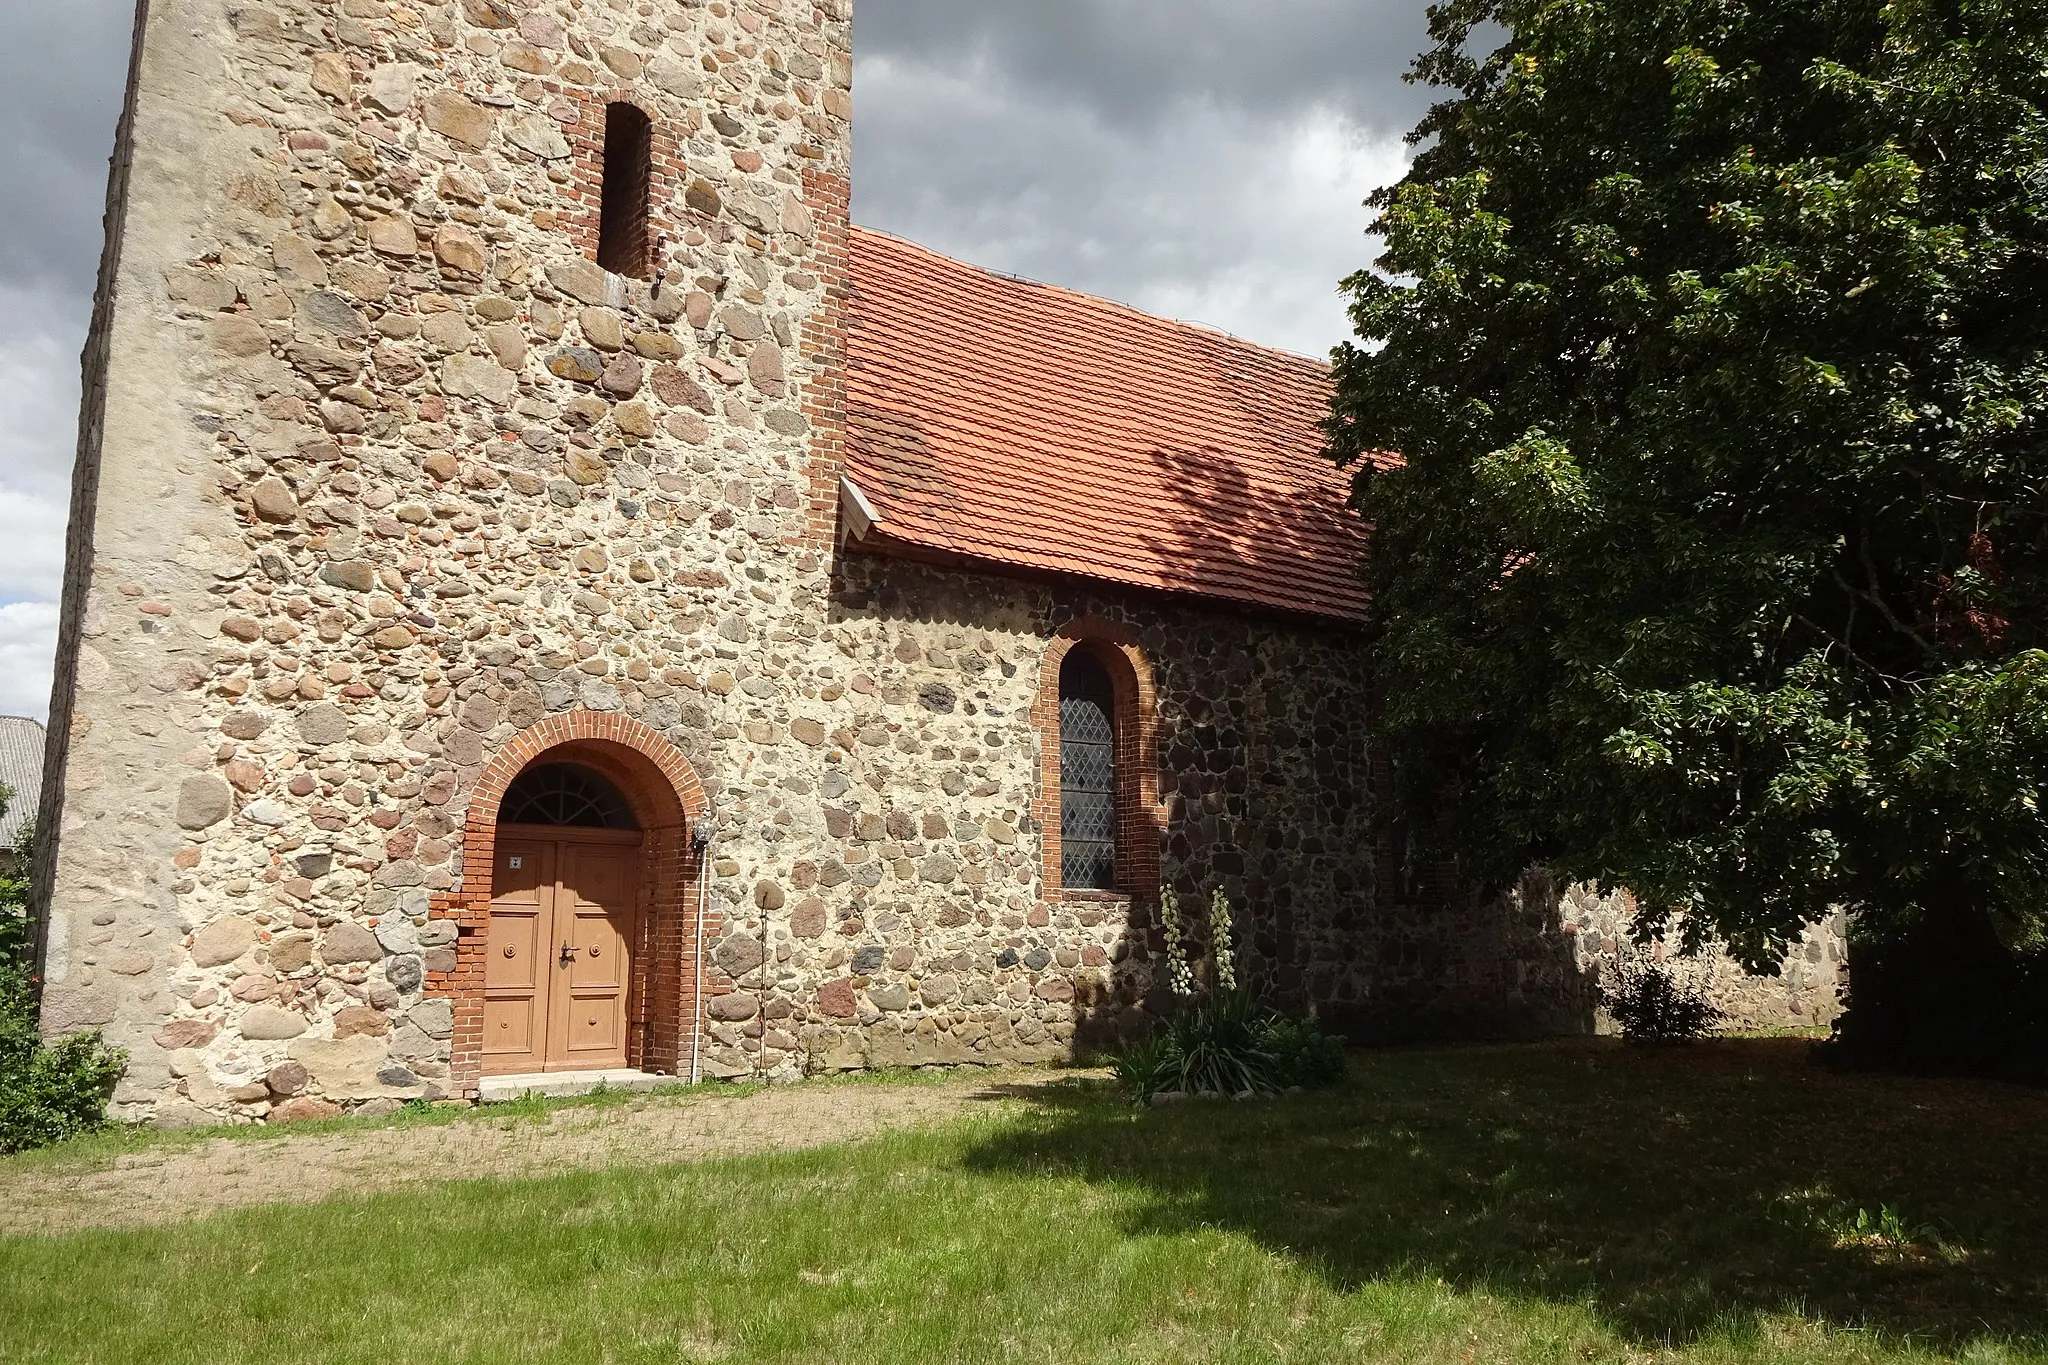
(14, 889)
(1711, 335)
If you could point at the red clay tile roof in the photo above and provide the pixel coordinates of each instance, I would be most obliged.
(1034, 428)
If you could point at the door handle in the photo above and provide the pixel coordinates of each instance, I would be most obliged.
(568, 957)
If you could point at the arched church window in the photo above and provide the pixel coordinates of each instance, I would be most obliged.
(1088, 804)
(622, 245)
(565, 794)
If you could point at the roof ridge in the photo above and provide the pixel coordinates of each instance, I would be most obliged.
(861, 229)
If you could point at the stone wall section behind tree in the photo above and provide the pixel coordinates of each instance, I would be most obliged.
(1806, 991)
(922, 835)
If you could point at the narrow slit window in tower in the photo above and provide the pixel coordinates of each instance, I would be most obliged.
(622, 245)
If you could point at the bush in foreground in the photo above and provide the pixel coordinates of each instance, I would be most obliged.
(52, 1090)
(1656, 1003)
(1234, 1044)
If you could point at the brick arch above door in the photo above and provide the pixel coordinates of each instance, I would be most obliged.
(658, 781)
(577, 727)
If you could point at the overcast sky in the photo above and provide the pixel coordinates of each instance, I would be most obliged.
(1204, 159)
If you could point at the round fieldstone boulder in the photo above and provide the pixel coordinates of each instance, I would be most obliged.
(324, 725)
(223, 941)
(204, 802)
(577, 363)
(623, 376)
(272, 500)
(268, 1023)
(808, 920)
(406, 974)
(836, 999)
(356, 575)
(734, 1009)
(287, 1078)
(293, 953)
(435, 1018)
(348, 942)
(180, 1034)
(304, 1109)
(738, 954)
(361, 1020)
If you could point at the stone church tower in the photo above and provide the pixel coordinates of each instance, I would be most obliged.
(464, 385)
(548, 597)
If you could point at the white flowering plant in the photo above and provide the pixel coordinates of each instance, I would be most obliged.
(1232, 1042)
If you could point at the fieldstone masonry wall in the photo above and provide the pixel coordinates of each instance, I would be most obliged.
(383, 480)
(390, 471)
(1804, 993)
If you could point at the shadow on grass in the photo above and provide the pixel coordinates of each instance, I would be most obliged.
(1670, 1192)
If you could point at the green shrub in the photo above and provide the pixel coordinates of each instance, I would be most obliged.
(13, 927)
(1232, 1044)
(14, 890)
(51, 1090)
(1304, 1054)
(1653, 1003)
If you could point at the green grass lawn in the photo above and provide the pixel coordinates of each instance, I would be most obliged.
(1563, 1203)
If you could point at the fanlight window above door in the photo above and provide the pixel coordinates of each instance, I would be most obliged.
(565, 794)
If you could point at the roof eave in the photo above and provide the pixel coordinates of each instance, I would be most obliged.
(880, 543)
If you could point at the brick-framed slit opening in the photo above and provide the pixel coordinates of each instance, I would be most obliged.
(1136, 700)
(667, 801)
(660, 189)
(625, 196)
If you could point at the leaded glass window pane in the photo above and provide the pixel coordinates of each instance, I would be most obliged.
(1087, 774)
(565, 794)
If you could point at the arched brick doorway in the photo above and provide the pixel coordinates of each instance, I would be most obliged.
(594, 941)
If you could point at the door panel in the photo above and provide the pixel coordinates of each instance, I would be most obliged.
(594, 919)
(517, 964)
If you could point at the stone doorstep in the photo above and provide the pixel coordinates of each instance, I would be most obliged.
(562, 1085)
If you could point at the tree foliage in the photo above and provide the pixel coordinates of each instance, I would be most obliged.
(1710, 335)
(14, 890)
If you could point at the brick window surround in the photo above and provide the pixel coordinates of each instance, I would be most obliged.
(625, 192)
(666, 174)
(667, 799)
(1139, 824)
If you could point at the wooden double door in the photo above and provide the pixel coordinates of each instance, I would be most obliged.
(558, 974)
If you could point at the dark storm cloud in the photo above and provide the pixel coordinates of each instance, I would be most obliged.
(1137, 61)
(61, 74)
(61, 71)
(1197, 158)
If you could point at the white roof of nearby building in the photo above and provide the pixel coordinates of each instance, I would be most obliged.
(21, 770)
